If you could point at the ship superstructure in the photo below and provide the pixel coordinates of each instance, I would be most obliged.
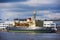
(29, 22)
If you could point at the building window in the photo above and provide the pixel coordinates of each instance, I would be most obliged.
(48, 24)
(52, 24)
(44, 24)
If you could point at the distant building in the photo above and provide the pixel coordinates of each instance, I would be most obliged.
(49, 24)
(6, 24)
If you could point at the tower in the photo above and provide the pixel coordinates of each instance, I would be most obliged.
(34, 16)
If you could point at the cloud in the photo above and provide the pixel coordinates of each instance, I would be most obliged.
(38, 2)
(25, 9)
(4, 1)
(31, 3)
(42, 14)
(53, 16)
(47, 14)
(8, 14)
(6, 5)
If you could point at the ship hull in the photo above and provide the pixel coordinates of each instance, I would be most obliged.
(35, 30)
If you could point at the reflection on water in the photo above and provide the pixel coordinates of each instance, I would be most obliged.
(29, 36)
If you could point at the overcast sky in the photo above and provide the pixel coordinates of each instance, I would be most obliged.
(46, 9)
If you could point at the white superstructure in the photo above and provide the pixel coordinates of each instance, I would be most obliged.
(49, 24)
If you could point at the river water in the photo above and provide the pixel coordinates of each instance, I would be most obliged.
(29, 36)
